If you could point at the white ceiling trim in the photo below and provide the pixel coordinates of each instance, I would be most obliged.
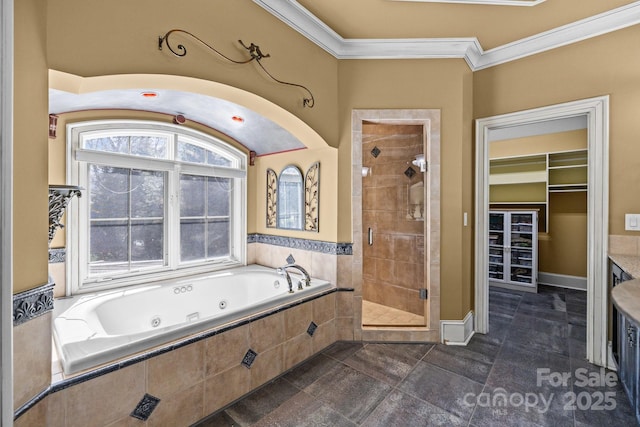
(484, 2)
(469, 49)
(607, 22)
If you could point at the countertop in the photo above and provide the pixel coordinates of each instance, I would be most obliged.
(626, 297)
(629, 263)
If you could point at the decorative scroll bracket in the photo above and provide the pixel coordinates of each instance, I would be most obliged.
(59, 198)
(254, 52)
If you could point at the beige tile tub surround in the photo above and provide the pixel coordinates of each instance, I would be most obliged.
(337, 269)
(318, 265)
(200, 378)
(32, 358)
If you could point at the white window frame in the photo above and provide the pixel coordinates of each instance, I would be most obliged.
(78, 160)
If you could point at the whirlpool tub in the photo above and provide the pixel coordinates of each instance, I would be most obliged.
(110, 325)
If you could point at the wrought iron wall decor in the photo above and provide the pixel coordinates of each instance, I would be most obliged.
(272, 197)
(312, 197)
(255, 54)
(309, 211)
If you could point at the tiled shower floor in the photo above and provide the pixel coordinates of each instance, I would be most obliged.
(359, 384)
(380, 315)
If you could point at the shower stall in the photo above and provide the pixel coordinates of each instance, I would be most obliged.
(394, 168)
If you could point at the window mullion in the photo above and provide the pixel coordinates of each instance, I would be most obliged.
(172, 248)
(129, 221)
(206, 216)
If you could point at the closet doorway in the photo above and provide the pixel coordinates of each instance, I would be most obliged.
(594, 112)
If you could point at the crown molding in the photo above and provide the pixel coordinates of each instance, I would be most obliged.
(525, 3)
(469, 49)
(597, 25)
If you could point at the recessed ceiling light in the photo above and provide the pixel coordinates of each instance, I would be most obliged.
(149, 94)
(237, 119)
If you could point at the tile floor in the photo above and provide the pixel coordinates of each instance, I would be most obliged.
(380, 315)
(368, 384)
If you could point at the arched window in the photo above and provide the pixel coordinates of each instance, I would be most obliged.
(159, 201)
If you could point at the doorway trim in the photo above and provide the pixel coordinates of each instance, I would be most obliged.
(430, 120)
(596, 111)
(6, 210)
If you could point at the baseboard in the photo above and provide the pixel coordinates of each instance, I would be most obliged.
(562, 280)
(457, 332)
(611, 361)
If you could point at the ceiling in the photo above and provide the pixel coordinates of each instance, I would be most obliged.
(252, 130)
(493, 25)
(482, 32)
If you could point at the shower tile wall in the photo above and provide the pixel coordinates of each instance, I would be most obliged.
(393, 268)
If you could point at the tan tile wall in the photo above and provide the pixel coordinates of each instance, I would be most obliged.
(394, 265)
(200, 378)
(624, 245)
(336, 269)
(32, 359)
(319, 265)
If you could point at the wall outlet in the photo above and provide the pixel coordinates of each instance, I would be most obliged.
(632, 222)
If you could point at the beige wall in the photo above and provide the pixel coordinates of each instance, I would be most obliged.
(605, 65)
(530, 145)
(408, 84)
(303, 159)
(76, 30)
(121, 37)
(565, 249)
(30, 193)
(88, 40)
(446, 85)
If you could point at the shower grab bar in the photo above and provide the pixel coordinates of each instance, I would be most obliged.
(370, 237)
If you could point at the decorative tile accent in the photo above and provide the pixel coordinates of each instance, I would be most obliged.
(375, 152)
(304, 244)
(32, 303)
(291, 259)
(145, 407)
(312, 328)
(57, 255)
(249, 358)
(409, 172)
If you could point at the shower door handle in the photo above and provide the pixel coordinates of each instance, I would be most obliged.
(370, 237)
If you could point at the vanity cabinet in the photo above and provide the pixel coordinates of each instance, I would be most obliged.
(624, 297)
(513, 249)
(627, 351)
(616, 276)
(629, 363)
